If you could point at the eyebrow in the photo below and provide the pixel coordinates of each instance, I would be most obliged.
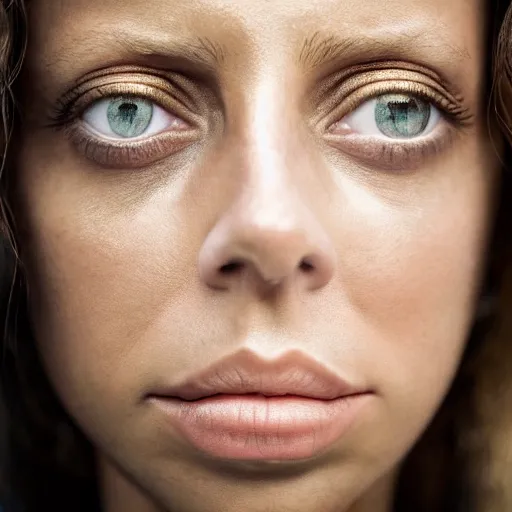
(204, 55)
(319, 49)
(201, 51)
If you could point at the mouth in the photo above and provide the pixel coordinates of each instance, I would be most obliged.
(245, 407)
(267, 395)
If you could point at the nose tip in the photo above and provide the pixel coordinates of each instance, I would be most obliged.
(269, 256)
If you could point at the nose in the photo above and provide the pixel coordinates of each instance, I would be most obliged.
(269, 236)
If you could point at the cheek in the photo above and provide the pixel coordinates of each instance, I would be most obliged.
(413, 275)
(113, 290)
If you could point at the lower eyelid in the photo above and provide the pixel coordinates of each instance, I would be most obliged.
(113, 153)
(394, 154)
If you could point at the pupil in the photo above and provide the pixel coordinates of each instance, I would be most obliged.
(400, 111)
(128, 111)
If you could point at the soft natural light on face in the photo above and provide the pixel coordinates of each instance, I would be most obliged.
(290, 200)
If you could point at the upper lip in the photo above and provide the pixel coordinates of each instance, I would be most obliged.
(244, 372)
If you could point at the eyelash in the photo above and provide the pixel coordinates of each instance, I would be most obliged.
(397, 154)
(66, 116)
(380, 153)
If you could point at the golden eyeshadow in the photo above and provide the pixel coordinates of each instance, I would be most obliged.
(336, 97)
(343, 91)
(168, 89)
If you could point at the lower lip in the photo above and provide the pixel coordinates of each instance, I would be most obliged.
(256, 427)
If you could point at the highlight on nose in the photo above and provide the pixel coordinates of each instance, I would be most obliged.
(234, 251)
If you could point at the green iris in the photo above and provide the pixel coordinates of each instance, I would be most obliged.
(401, 116)
(129, 117)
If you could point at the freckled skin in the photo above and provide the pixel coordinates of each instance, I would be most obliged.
(124, 254)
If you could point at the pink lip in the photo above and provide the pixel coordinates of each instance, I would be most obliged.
(245, 408)
(244, 372)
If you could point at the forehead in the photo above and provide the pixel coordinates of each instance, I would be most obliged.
(264, 18)
(71, 36)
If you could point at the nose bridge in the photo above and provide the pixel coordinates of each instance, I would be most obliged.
(272, 229)
(266, 131)
(269, 203)
(273, 199)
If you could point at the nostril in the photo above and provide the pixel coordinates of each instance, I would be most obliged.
(306, 266)
(231, 268)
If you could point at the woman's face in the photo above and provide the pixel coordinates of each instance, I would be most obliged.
(289, 179)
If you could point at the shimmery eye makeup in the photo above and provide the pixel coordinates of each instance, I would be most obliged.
(123, 91)
(341, 95)
(384, 152)
(410, 89)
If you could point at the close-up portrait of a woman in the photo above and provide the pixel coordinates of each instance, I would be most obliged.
(255, 256)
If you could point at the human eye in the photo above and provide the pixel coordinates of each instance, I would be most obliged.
(128, 122)
(129, 118)
(395, 124)
(394, 116)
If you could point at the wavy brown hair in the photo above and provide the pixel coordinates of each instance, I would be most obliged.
(462, 463)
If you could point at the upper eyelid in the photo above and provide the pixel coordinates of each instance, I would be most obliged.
(169, 81)
(358, 98)
(162, 92)
(344, 94)
(372, 91)
(339, 96)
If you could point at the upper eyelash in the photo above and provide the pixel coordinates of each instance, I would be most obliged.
(59, 116)
(62, 114)
(65, 111)
(452, 113)
(459, 118)
(343, 92)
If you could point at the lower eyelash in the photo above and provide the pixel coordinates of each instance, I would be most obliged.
(120, 155)
(406, 155)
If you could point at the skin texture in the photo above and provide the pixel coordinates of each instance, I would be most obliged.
(123, 255)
